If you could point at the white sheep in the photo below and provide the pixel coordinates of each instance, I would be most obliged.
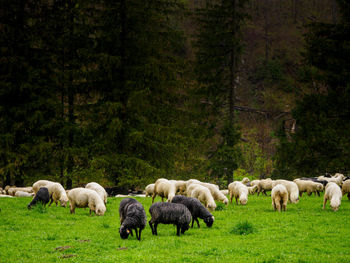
(57, 193)
(99, 190)
(12, 191)
(292, 188)
(239, 191)
(334, 194)
(337, 178)
(279, 196)
(149, 190)
(82, 197)
(308, 186)
(346, 188)
(41, 183)
(265, 185)
(214, 190)
(165, 189)
(23, 194)
(245, 180)
(203, 194)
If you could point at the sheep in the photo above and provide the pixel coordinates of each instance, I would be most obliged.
(346, 188)
(238, 190)
(203, 194)
(264, 185)
(225, 192)
(245, 180)
(149, 190)
(42, 196)
(99, 190)
(292, 188)
(165, 189)
(132, 216)
(23, 194)
(170, 213)
(12, 191)
(279, 196)
(337, 178)
(38, 184)
(57, 193)
(196, 208)
(252, 189)
(214, 190)
(82, 197)
(308, 186)
(334, 194)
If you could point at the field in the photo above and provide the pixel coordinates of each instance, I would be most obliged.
(305, 233)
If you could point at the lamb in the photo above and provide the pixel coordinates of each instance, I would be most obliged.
(170, 213)
(41, 196)
(132, 216)
(149, 190)
(238, 190)
(265, 185)
(346, 188)
(334, 194)
(292, 188)
(308, 186)
(196, 208)
(82, 197)
(165, 189)
(203, 194)
(99, 190)
(279, 196)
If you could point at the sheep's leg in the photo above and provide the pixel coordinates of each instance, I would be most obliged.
(131, 233)
(192, 222)
(349, 196)
(51, 200)
(301, 194)
(153, 196)
(139, 238)
(231, 197)
(197, 222)
(178, 230)
(324, 202)
(318, 192)
(155, 229)
(236, 200)
(150, 224)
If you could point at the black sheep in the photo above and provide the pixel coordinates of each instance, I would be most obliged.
(132, 216)
(196, 208)
(170, 213)
(42, 196)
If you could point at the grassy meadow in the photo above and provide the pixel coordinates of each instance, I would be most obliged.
(251, 233)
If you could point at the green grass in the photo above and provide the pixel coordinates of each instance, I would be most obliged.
(304, 233)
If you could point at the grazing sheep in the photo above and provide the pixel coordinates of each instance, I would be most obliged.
(203, 194)
(334, 194)
(57, 193)
(149, 190)
(214, 190)
(170, 213)
(196, 208)
(292, 188)
(308, 186)
(165, 189)
(41, 196)
(346, 188)
(239, 191)
(279, 196)
(132, 216)
(265, 185)
(23, 194)
(99, 190)
(82, 197)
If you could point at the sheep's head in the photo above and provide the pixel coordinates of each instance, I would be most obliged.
(100, 210)
(184, 227)
(334, 203)
(64, 201)
(124, 232)
(211, 207)
(209, 221)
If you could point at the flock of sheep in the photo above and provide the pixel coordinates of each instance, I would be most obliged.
(186, 200)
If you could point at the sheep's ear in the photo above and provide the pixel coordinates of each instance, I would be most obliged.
(127, 231)
(213, 218)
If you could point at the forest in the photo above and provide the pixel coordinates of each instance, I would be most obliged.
(125, 92)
